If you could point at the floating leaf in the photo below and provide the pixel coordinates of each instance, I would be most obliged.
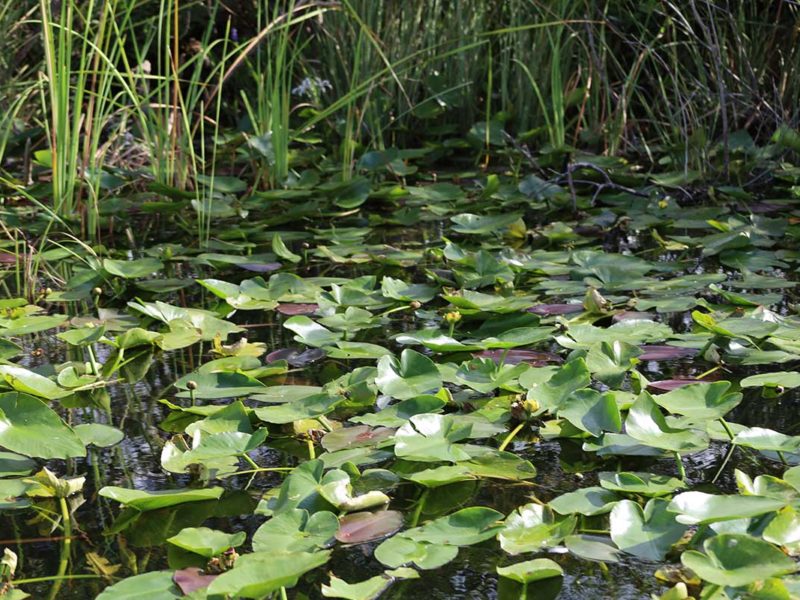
(156, 585)
(531, 570)
(647, 534)
(360, 527)
(28, 426)
(261, 573)
(431, 438)
(413, 375)
(143, 500)
(736, 560)
(699, 508)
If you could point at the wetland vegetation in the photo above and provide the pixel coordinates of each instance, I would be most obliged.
(358, 299)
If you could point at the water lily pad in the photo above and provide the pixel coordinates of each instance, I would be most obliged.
(592, 547)
(647, 534)
(585, 501)
(296, 531)
(363, 590)
(30, 382)
(261, 573)
(102, 436)
(192, 579)
(736, 560)
(531, 570)
(431, 438)
(699, 508)
(647, 424)
(700, 401)
(413, 375)
(782, 379)
(206, 542)
(532, 527)
(29, 427)
(144, 500)
(644, 484)
(399, 550)
(156, 585)
(360, 527)
(396, 415)
(462, 528)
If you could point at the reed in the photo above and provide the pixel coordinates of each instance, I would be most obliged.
(675, 84)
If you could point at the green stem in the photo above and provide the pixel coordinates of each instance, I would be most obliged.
(53, 578)
(679, 463)
(93, 360)
(251, 462)
(66, 545)
(510, 437)
(418, 508)
(727, 428)
(312, 453)
(725, 460)
(283, 593)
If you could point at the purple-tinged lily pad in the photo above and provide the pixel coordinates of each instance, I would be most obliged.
(513, 357)
(297, 309)
(547, 310)
(655, 352)
(192, 579)
(667, 385)
(260, 267)
(355, 437)
(296, 358)
(360, 527)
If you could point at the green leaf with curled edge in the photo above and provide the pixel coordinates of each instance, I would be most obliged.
(647, 424)
(413, 375)
(647, 534)
(737, 560)
(431, 438)
(699, 508)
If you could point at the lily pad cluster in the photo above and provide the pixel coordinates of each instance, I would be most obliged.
(549, 389)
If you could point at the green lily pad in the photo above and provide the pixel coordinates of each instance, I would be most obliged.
(699, 508)
(29, 382)
(413, 375)
(206, 542)
(532, 527)
(647, 424)
(531, 570)
(28, 426)
(647, 534)
(259, 574)
(296, 531)
(737, 560)
(431, 438)
(143, 500)
(156, 585)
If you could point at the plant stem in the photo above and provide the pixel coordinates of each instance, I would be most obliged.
(725, 460)
(312, 454)
(679, 463)
(418, 508)
(66, 545)
(510, 437)
(54, 578)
